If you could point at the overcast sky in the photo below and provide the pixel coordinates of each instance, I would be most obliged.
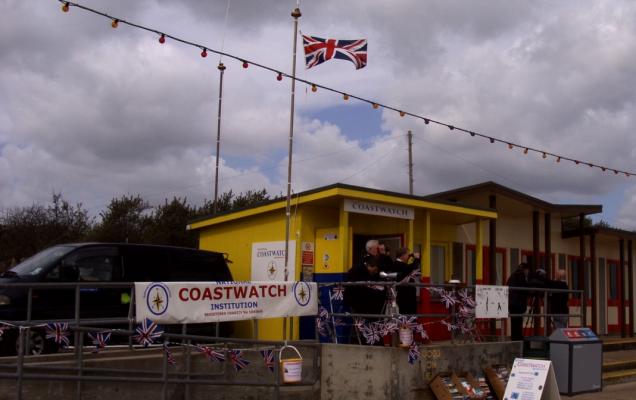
(96, 112)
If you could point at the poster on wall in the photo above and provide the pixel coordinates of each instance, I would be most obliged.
(492, 301)
(268, 261)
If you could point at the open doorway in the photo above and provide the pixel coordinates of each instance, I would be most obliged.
(392, 241)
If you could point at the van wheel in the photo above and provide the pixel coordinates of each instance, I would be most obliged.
(38, 344)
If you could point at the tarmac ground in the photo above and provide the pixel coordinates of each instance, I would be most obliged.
(619, 391)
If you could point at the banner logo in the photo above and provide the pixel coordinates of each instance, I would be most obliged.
(157, 298)
(302, 293)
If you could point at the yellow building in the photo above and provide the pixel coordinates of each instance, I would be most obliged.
(329, 227)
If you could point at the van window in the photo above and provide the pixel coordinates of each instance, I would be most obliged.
(94, 264)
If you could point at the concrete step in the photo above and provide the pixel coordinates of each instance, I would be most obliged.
(613, 377)
(619, 344)
(622, 365)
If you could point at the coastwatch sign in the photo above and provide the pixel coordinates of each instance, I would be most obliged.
(198, 302)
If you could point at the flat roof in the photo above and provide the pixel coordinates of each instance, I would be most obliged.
(491, 187)
(344, 191)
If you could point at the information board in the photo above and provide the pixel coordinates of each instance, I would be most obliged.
(531, 380)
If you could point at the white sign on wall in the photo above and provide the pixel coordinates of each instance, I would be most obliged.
(532, 380)
(198, 302)
(492, 301)
(381, 209)
(268, 261)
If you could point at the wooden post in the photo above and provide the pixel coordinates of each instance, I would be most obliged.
(621, 286)
(492, 255)
(547, 228)
(593, 283)
(535, 241)
(582, 269)
(479, 252)
(630, 277)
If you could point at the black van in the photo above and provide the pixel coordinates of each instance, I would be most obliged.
(97, 262)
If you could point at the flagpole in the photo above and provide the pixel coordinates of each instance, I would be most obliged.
(221, 68)
(295, 14)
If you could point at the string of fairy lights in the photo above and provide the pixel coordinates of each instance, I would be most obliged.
(163, 37)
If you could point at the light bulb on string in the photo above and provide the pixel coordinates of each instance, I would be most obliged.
(627, 175)
(451, 127)
(615, 172)
(375, 106)
(472, 133)
(65, 7)
(402, 113)
(558, 159)
(314, 88)
(115, 23)
(279, 77)
(162, 39)
(510, 146)
(525, 151)
(492, 140)
(591, 165)
(245, 64)
(426, 121)
(576, 162)
(204, 52)
(603, 169)
(545, 155)
(345, 96)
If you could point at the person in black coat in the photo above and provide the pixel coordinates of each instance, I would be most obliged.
(406, 295)
(365, 299)
(518, 299)
(558, 302)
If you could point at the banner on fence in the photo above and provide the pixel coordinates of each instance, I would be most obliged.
(197, 302)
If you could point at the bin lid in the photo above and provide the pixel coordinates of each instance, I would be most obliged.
(573, 335)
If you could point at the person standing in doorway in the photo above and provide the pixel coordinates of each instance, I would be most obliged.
(405, 264)
(518, 299)
(558, 302)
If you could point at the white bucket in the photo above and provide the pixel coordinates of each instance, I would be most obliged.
(292, 368)
(406, 337)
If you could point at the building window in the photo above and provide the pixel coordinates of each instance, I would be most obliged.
(471, 266)
(612, 287)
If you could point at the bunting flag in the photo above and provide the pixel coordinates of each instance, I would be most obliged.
(337, 293)
(268, 358)
(448, 298)
(322, 327)
(211, 353)
(147, 332)
(466, 298)
(414, 353)
(171, 360)
(58, 331)
(319, 50)
(236, 358)
(100, 340)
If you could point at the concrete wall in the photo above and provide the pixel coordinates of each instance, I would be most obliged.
(346, 372)
(379, 373)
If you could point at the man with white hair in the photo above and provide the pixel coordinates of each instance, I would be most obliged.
(558, 302)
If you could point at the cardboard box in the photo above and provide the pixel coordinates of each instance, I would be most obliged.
(497, 377)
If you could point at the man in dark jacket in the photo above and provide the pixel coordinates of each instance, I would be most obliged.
(406, 295)
(558, 302)
(518, 299)
(365, 299)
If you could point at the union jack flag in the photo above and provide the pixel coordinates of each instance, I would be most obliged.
(147, 332)
(337, 293)
(100, 340)
(268, 358)
(169, 355)
(448, 298)
(319, 50)
(59, 332)
(211, 353)
(236, 357)
(414, 353)
(4, 327)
